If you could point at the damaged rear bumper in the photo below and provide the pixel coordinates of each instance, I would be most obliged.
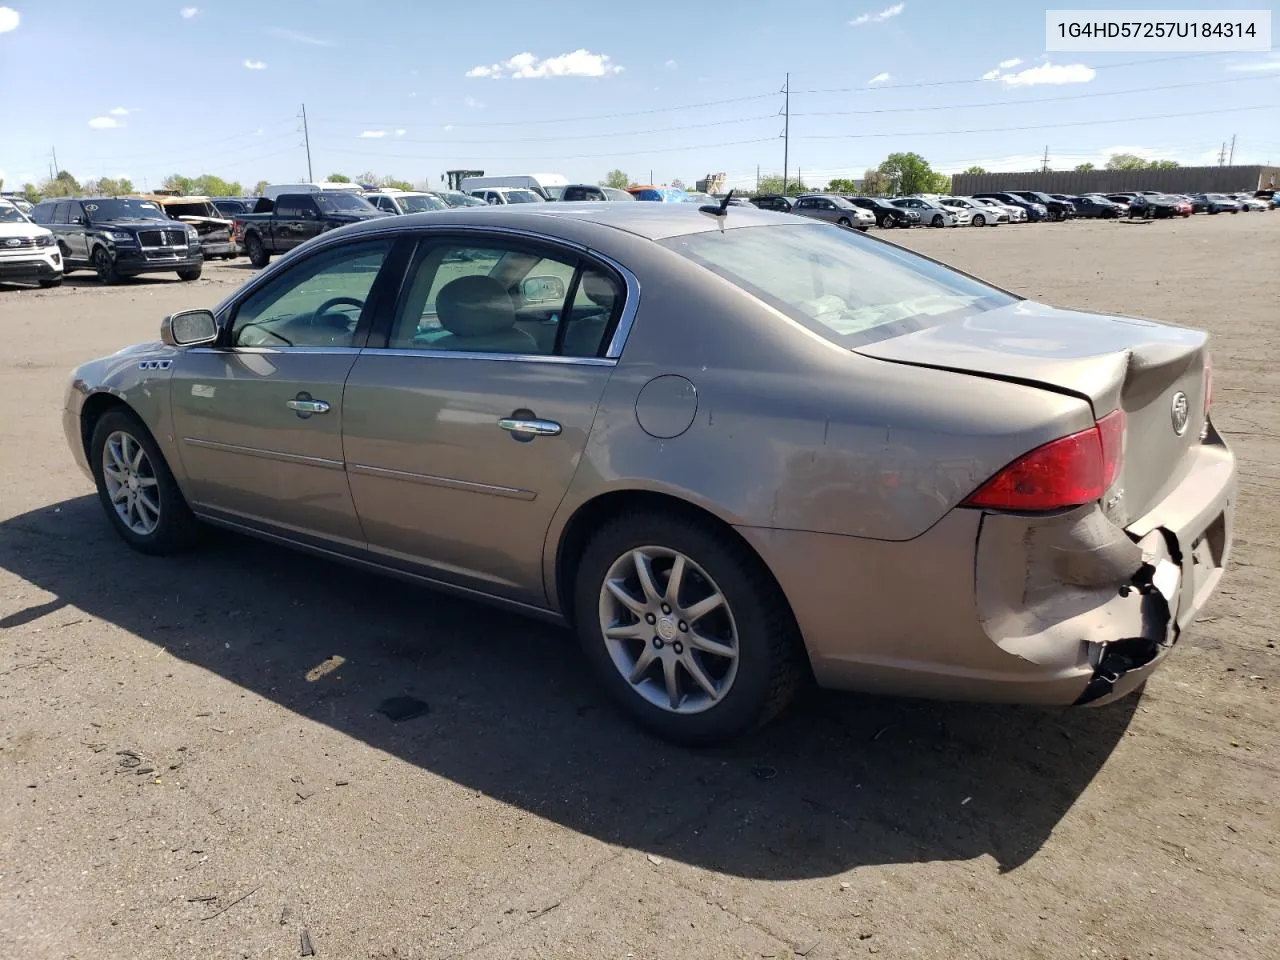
(1071, 609)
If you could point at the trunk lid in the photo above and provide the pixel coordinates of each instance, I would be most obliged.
(1154, 372)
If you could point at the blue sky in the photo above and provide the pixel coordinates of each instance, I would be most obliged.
(153, 87)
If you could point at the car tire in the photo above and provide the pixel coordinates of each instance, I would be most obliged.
(191, 273)
(843, 222)
(258, 255)
(937, 221)
(48, 282)
(105, 266)
(979, 220)
(753, 622)
(158, 523)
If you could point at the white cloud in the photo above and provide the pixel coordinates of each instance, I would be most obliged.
(1271, 62)
(885, 14)
(401, 132)
(295, 37)
(188, 12)
(472, 103)
(254, 65)
(671, 65)
(1051, 74)
(122, 111)
(373, 134)
(992, 74)
(1010, 63)
(448, 127)
(9, 19)
(879, 78)
(525, 66)
(105, 123)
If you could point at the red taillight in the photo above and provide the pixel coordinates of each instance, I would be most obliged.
(1066, 472)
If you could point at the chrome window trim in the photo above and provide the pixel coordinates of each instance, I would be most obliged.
(478, 355)
(617, 343)
(326, 351)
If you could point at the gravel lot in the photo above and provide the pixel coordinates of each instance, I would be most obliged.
(520, 817)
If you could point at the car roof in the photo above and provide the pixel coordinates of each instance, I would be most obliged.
(579, 220)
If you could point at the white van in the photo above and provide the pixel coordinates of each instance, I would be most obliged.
(546, 185)
(277, 189)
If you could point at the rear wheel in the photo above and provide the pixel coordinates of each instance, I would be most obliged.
(105, 266)
(136, 487)
(258, 255)
(685, 628)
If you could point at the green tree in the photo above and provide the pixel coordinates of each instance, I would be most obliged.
(395, 184)
(772, 183)
(31, 193)
(875, 183)
(974, 169)
(259, 187)
(1125, 161)
(63, 185)
(338, 178)
(939, 183)
(617, 179)
(1085, 167)
(842, 185)
(176, 181)
(1163, 165)
(110, 186)
(909, 173)
(208, 185)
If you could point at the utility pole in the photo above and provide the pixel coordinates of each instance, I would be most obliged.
(786, 132)
(306, 138)
(56, 171)
(1231, 160)
(1044, 168)
(757, 178)
(1222, 154)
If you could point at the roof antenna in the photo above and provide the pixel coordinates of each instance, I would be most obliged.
(718, 210)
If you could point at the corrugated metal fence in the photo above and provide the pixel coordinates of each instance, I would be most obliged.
(1178, 180)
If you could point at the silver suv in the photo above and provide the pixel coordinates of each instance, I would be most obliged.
(931, 212)
(834, 209)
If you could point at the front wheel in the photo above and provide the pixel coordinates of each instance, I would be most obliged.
(191, 273)
(48, 282)
(258, 255)
(105, 267)
(844, 222)
(136, 487)
(938, 221)
(685, 628)
(979, 220)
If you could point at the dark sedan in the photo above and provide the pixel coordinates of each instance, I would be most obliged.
(1096, 206)
(1157, 207)
(886, 214)
(1216, 203)
(774, 202)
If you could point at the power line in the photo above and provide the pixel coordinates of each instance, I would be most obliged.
(1021, 103)
(586, 156)
(1042, 126)
(585, 136)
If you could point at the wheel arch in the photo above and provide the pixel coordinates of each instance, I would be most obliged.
(95, 406)
(594, 513)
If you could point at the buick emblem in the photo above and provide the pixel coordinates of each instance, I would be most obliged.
(1180, 413)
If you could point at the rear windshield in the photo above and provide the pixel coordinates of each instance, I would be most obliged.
(422, 203)
(843, 286)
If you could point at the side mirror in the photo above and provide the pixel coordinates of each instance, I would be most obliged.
(190, 328)
(542, 289)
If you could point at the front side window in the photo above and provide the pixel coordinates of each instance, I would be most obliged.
(839, 284)
(506, 299)
(316, 303)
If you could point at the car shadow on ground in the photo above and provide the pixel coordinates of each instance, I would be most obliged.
(840, 781)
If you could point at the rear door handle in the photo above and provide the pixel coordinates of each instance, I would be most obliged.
(530, 428)
(307, 406)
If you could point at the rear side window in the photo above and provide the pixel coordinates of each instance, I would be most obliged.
(42, 213)
(839, 284)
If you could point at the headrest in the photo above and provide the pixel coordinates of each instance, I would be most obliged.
(599, 288)
(475, 307)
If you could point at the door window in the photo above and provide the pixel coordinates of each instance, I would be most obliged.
(316, 303)
(495, 298)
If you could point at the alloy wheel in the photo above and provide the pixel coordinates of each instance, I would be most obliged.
(668, 629)
(131, 483)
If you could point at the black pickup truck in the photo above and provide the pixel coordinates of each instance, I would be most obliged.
(294, 218)
(120, 237)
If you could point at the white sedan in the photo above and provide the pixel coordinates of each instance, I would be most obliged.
(979, 215)
(1016, 214)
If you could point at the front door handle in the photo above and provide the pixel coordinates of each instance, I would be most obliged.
(307, 406)
(530, 428)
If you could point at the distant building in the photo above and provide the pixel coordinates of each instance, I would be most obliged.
(711, 183)
(1176, 180)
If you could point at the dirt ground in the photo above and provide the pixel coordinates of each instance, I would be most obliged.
(181, 777)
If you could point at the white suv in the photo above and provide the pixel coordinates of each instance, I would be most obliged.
(27, 251)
